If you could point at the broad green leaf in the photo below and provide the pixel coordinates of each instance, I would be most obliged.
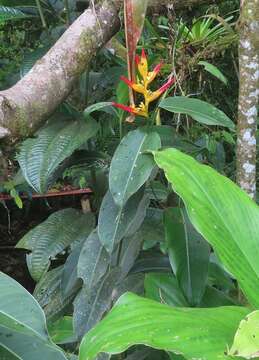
(224, 214)
(129, 251)
(53, 236)
(213, 70)
(189, 254)
(93, 261)
(157, 191)
(40, 158)
(133, 283)
(246, 341)
(61, 331)
(69, 277)
(130, 166)
(214, 297)
(199, 110)
(6, 354)
(195, 333)
(164, 288)
(90, 306)
(151, 261)
(48, 293)
(23, 331)
(152, 228)
(115, 222)
(219, 277)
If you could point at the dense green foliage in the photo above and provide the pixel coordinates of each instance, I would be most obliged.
(166, 254)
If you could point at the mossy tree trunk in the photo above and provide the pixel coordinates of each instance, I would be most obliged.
(248, 95)
(29, 102)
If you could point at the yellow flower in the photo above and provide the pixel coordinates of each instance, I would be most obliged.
(141, 86)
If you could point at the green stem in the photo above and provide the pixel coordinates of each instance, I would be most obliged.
(43, 21)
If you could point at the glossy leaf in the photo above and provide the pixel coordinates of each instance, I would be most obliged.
(130, 249)
(152, 228)
(189, 254)
(199, 110)
(131, 166)
(224, 214)
(61, 331)
(69, 278)
(116, 222)
(90, 306)
(150, 261)
(246, 341)
(93, 261)
(214, 297)
(23, 331)
(53, 236)
(48, 293)
(213, 70)
(195, 333)
(164, 288)
(40, 157)
(219, 277)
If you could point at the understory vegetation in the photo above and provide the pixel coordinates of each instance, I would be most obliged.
(123, 232)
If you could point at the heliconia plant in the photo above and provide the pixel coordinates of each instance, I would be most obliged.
(141, 86)
(134, 17)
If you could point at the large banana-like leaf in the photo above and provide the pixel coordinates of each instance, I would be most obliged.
(130, 166)
(195, 333)
(224, 214)
(246, 341)
(53, 236)
(40, 158)
(23, 331)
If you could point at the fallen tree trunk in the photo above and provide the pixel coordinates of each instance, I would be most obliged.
(24, 106)
(27, 104)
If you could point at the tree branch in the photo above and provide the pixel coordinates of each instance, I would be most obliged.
(24, 106)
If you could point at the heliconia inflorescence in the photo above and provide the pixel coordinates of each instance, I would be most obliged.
(142, 86)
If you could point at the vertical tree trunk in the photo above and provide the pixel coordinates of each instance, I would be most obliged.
(248, 95)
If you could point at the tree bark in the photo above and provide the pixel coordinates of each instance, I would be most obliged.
(24, 106)
(248, 96)
(27, 104)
